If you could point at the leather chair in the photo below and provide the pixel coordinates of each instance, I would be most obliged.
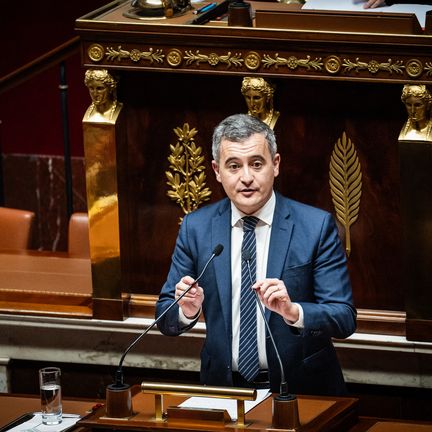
(15, 228)
(78, 235)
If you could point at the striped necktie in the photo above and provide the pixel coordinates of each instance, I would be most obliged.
(248, 364)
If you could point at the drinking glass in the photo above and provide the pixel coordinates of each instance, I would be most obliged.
(50, 394)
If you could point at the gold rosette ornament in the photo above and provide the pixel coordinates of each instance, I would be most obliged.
(345, 185)
(186, 175)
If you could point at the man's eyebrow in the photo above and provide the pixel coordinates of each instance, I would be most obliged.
(231, 159)
(251, 158)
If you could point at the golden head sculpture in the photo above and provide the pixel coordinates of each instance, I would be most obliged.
(258, 94)
(102, 87)
(417, 100)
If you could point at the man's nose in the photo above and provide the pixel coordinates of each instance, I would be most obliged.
(246, 175)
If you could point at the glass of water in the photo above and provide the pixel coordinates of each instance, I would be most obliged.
(50, 394)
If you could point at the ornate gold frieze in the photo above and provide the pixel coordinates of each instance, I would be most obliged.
(214, 59)
(292, 62)
(135, 55)
(374, 66)
(331, 64)
(345, 185)
(186, 175)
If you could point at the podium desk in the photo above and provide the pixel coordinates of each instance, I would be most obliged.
(14, 406)
(390, 425)
(315, 414)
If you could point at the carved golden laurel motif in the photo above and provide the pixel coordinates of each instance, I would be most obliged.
(186, 177)
(292, 62)
(345, 185)
(428, 68)
(374, 66)
(214, 59)
(135, 55)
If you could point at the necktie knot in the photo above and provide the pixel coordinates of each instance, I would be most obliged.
(249, 223)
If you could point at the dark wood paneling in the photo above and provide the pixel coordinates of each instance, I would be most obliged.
(314, 114)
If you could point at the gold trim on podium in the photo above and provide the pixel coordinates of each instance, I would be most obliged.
(161, 389)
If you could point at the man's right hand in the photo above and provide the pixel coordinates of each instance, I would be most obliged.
(192, 301)
(374, 4)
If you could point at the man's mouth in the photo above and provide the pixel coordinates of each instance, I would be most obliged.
(247, 191)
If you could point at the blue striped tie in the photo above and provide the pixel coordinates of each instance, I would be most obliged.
(248, 364)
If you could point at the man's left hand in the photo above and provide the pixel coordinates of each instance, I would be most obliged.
(274, 296)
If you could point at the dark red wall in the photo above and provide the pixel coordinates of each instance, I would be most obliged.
(30, 114)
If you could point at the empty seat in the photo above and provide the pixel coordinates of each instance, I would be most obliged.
(78, 235)
(15, 228)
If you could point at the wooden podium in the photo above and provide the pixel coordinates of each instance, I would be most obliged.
(315, 414)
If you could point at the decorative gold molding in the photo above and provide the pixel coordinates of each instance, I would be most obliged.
(186, 177)
(374, 66)
(214, 59)
(96, 52)
(345, 185)
(292, 62)
(252, 60)
(174, 57)
(414, 68)
(330, 64)
(135, 54)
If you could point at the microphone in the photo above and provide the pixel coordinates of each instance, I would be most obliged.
(247, 256)
(285, 407)
(119, 384)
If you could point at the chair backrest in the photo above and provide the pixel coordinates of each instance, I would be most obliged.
(15, 228)
(78, 235)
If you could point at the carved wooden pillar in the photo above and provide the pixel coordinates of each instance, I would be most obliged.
(103, 126)
(416, 207)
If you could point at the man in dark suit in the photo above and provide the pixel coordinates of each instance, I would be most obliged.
(301, 275)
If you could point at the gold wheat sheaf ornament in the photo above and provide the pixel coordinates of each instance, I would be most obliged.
(345, 185)
(186, 175)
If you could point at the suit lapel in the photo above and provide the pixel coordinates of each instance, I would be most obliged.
(280, 239)
(221, 233)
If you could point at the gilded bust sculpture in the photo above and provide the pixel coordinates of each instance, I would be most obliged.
(417, 100)
(102, 88)
(258, 94)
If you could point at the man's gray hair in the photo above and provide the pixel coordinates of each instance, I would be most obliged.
(238, 128)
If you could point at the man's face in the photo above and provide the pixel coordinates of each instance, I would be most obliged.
(416, 108)
(247, 172)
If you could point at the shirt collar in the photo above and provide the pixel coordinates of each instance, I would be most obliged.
(264, 214)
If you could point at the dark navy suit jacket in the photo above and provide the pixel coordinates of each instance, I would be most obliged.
(306, 253)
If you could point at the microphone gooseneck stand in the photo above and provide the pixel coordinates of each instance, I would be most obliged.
(118, 394)
(285, 406)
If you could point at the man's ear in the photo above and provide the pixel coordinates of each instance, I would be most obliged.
(276, 164)
(215, 167)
